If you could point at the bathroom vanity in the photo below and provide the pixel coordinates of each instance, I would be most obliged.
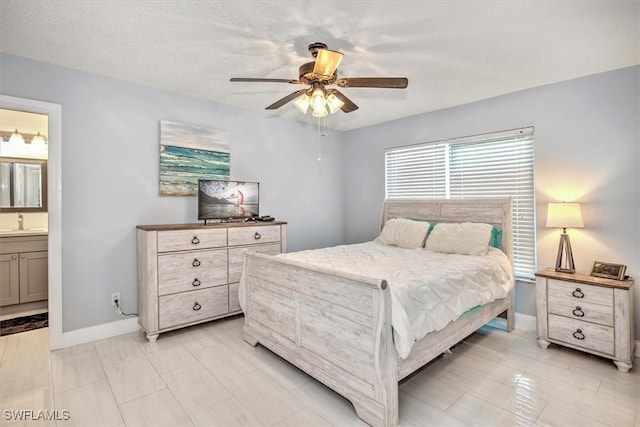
(23, 266)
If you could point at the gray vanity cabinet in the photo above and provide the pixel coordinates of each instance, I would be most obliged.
(23, 269)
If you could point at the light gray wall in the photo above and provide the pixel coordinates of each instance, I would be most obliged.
(110, 150)
(586, 139)
(586, 149)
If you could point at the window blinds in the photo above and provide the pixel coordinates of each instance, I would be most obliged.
(492, 165)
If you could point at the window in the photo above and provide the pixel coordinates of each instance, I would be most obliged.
(491, 165)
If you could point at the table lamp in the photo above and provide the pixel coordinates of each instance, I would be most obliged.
(564, 215)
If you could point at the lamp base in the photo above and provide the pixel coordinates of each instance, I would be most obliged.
(564, 251)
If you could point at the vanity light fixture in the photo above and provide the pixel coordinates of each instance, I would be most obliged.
(38, 143)
(16, 138)
(564, 215)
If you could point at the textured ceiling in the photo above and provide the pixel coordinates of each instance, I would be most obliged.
(453, 52)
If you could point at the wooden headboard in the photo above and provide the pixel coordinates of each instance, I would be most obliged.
(496, 212)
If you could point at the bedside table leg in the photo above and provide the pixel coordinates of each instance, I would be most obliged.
(543, 343)
(152, 337)
(623, 366)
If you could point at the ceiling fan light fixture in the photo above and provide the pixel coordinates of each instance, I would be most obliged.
(318, 101)
(302, 103)
(334, 103)
(320, 112)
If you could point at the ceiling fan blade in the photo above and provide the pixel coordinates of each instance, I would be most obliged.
(381, 82)
(249, 79)
(279, 103)
(327, 62)
(348, 106)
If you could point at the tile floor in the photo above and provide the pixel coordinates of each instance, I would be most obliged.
(207, 376)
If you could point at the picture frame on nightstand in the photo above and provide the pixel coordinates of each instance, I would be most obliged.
(608, 270)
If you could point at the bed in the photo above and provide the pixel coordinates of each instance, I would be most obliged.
(336, 325)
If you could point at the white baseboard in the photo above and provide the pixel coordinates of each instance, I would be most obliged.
(99, 332)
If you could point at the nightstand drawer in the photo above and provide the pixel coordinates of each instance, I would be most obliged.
(252, 235)
(582, 334)
(581, 310)
(580, 293)
(187, 307)
(187, 240)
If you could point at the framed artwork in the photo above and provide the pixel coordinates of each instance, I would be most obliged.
(608, 270)
(189, 153)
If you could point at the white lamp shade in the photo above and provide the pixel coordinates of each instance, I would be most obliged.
(302, 103)
(16, 138)
(334, 103)
(564, 215)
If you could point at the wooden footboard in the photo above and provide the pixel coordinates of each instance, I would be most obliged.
(337, 328)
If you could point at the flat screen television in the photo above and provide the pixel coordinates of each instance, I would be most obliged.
(227, 199)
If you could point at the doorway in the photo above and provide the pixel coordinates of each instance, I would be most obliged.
(54, 206)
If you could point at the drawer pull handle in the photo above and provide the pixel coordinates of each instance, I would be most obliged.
(578, 312)
(14, 257)
(257, 236)
(196, 306)
(195, 240)
(578, 293)
(196, 263)
(196, 282)
(578, 334)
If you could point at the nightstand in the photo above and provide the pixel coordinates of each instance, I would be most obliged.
(587, 313)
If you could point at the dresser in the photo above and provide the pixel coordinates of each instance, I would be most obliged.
(586, 313)
(190, 273)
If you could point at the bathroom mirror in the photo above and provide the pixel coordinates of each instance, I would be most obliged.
(23, 185)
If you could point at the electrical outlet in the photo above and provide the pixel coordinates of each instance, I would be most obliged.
(115, 296)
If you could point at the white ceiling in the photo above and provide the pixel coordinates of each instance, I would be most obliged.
(453, 52)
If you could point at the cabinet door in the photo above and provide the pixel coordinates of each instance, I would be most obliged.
(34, 277)
(9, 279)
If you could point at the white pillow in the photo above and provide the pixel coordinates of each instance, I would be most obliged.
(405, 233)
(464, 238)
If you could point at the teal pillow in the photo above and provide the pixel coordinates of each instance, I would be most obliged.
(496, 238)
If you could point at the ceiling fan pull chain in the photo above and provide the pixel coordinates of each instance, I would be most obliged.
(319, 140)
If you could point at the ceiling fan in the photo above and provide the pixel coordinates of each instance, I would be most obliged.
(320, 75)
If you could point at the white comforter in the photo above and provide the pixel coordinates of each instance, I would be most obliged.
(428, 289)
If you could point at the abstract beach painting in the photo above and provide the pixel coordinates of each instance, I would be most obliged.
(189, 153)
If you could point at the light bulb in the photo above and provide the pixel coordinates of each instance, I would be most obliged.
(318, 102)
(302, 103)
(16, 138)
(37, 144)
(334, 103)
(322, 112)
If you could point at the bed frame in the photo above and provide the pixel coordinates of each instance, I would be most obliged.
(337, 327)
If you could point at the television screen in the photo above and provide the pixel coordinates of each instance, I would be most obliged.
(227, 199)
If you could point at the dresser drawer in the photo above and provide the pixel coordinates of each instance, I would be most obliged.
(185, 240)
(580, 293)
(192, 262)
(252, 235)
(583, 334)
(581, 310)
(236, 260)
(188, 307)
(183, 282)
